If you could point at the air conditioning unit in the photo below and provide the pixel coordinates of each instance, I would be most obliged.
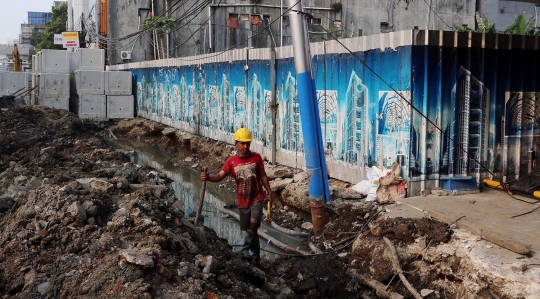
(125, 55)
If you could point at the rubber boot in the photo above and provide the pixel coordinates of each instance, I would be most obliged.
(247, 239)
(256, 249)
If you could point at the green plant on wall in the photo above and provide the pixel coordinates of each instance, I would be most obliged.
(522, 27)
(483, 26)
(159, 22)
(327, 36)
(519, 27)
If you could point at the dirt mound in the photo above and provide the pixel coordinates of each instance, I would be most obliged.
(79, 220)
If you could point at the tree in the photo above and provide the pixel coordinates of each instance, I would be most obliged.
(36, 37)
(56, 25)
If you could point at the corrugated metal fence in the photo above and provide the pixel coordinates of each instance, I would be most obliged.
(439, 103)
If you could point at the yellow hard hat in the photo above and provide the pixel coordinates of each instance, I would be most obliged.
(243, 135)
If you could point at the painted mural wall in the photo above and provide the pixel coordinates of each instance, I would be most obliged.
(364, 123)
(437, 109)
(483, 104)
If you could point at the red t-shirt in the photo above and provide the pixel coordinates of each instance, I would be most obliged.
(246, 173)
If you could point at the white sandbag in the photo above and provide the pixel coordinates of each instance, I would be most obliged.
(376, 174)
(362, 187)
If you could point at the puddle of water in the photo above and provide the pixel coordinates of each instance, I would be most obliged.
(187, 187)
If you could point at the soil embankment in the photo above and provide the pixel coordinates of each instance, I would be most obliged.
(79, 220)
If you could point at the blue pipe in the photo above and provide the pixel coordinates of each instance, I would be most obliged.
(311, 129)
(321, 146)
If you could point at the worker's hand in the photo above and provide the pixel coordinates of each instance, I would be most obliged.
(204, 176)
(269, 197)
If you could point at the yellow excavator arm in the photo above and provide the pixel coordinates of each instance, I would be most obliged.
(17, 67)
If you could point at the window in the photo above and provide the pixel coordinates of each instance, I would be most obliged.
(233, 21)
(315, 21)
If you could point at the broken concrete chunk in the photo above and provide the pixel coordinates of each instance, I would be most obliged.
(300, 177)
(347, 193)
(20, 180)
(34, 182)
(44, 288)
(307, 226)
(425, 292)
(278, 172)
(210, 264)
(519, 267)
(16, 191)
(137, 257)
(101, 186)
(168, 131)
(76, 210)
(48, 150)
(277, 185)
(90, 208)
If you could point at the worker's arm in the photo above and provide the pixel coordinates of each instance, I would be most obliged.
(266, 184)
(214, 177)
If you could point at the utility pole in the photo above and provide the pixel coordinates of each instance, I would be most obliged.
(309, 114)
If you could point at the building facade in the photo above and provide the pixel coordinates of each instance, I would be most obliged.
(232, 24)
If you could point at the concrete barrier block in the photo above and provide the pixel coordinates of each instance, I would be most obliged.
(91, 106)
(118, 83)
(90, 82)
(57, 103)
(120, 106)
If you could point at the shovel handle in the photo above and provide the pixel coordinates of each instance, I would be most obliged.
(201, 200)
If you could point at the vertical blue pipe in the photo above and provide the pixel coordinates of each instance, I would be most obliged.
(309, 115)
(321, 146)
(311, 128)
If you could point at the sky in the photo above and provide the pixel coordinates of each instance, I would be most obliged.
(15, 13)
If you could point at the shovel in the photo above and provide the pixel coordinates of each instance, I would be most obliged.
(201, 200)
(269, 213)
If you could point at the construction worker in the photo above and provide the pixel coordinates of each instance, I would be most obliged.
(247, 169)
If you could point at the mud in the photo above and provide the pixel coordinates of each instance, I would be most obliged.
(79, 220)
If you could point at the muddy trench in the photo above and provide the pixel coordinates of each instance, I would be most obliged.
(80, 220)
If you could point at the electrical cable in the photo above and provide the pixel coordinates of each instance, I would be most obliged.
(333, 250)
(402, 97)
(243, 41)
(506, 185)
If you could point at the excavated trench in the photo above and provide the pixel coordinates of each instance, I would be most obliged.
(218, 209)
(79, 220)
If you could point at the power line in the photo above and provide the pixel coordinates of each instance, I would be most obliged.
(403, 97)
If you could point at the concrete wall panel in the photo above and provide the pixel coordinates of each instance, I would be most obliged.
(91, 106)
(57, 103)
(73, 61)
(54, 85)
(91, 59)
(120, 106)
(90, 82)
(54, 61)
(118, 83)
(14, 81)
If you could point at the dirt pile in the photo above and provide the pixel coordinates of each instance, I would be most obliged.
(361, 251)
(79, 220)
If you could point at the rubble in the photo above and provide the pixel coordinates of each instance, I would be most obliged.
(79, 220)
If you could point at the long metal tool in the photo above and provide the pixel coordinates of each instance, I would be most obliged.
(201, 200)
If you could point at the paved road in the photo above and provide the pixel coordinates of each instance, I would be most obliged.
(487, 214)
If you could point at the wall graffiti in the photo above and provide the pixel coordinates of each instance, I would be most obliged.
(433, 109)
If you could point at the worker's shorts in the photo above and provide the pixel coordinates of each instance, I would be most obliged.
(254, 211)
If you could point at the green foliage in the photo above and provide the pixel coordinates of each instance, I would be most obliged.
(56, 25)
(519, 27)
(36, 37)
(155, 22)
(522, 27)
(484, 26)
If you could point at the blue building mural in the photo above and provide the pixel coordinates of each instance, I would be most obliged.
(437, 109)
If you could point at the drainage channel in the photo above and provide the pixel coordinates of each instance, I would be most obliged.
(187, 188)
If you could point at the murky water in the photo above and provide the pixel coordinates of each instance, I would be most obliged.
(187, 187)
